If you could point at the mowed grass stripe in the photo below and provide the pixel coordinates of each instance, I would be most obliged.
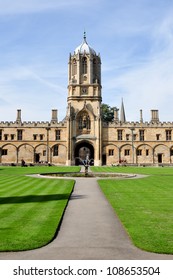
(19, 171)
(14, 184)
(20, 185)
(30, 209)
(145, 207)
(152, 171)
(35, 220)
(40, 219)
(36, 186)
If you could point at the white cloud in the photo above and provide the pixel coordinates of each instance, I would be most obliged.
(147, 85)
(141, 71)
(26, 88)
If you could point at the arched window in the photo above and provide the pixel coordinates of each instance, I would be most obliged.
(96, 71)
(74, 67)
(84, 65)
(84, 122)
(94, 67)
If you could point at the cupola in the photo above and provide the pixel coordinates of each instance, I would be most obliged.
(84, 48)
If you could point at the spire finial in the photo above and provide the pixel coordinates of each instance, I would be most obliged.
(84, 35)
(122, 113)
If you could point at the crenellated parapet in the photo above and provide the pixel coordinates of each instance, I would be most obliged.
(122, 123)
(152, 124)
(31, 124)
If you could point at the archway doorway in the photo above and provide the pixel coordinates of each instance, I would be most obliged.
(82, 150)
(159, 156)
(37, 158)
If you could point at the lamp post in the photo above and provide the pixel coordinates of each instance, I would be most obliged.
(132, 130)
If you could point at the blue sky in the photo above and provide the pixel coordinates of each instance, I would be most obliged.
(133, 37)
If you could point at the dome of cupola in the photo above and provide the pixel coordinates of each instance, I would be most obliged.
(84, 48)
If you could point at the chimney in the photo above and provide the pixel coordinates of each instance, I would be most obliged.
(116, 115)
(18, 119)
(154, 116)
(54, 115)
(141, 116)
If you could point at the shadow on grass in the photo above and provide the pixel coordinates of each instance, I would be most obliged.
(35, 198)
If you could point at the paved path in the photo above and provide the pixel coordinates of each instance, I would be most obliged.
(90, 230)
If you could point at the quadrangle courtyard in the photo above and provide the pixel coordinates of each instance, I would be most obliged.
(86, 218)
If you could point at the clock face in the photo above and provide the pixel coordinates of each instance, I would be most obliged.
(84, 90)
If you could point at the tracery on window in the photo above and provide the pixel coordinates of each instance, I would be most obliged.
(84, 121)
(96, 71)
(94, 66)
(84, 65)
(74, 67)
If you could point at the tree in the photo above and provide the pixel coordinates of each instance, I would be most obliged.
(107, 112)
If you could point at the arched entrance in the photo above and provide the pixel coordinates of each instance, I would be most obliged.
(82, 150)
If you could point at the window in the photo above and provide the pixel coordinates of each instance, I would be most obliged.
(127, 137)
(74, 67)
(134, 137)
(41, 137)
(12, 136)
(44, 153)
(168, 135)
(139, 152)
(147, 152)
(4, 152)
(84, 65)
(120, 135)
(55, 150)
(157, 137)
(111, 152)
(94, 66)
(95, 74)
(127, 152)
(57, 134)
(5, 137)
(34, 136)
(141, 135)
(19, 135)
(0, 134)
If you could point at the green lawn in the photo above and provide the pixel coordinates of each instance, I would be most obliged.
(162, 171)
(31, 208)
(144, 206)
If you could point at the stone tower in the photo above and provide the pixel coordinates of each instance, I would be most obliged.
(84, 126)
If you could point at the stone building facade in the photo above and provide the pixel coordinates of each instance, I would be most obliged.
(82, 132)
